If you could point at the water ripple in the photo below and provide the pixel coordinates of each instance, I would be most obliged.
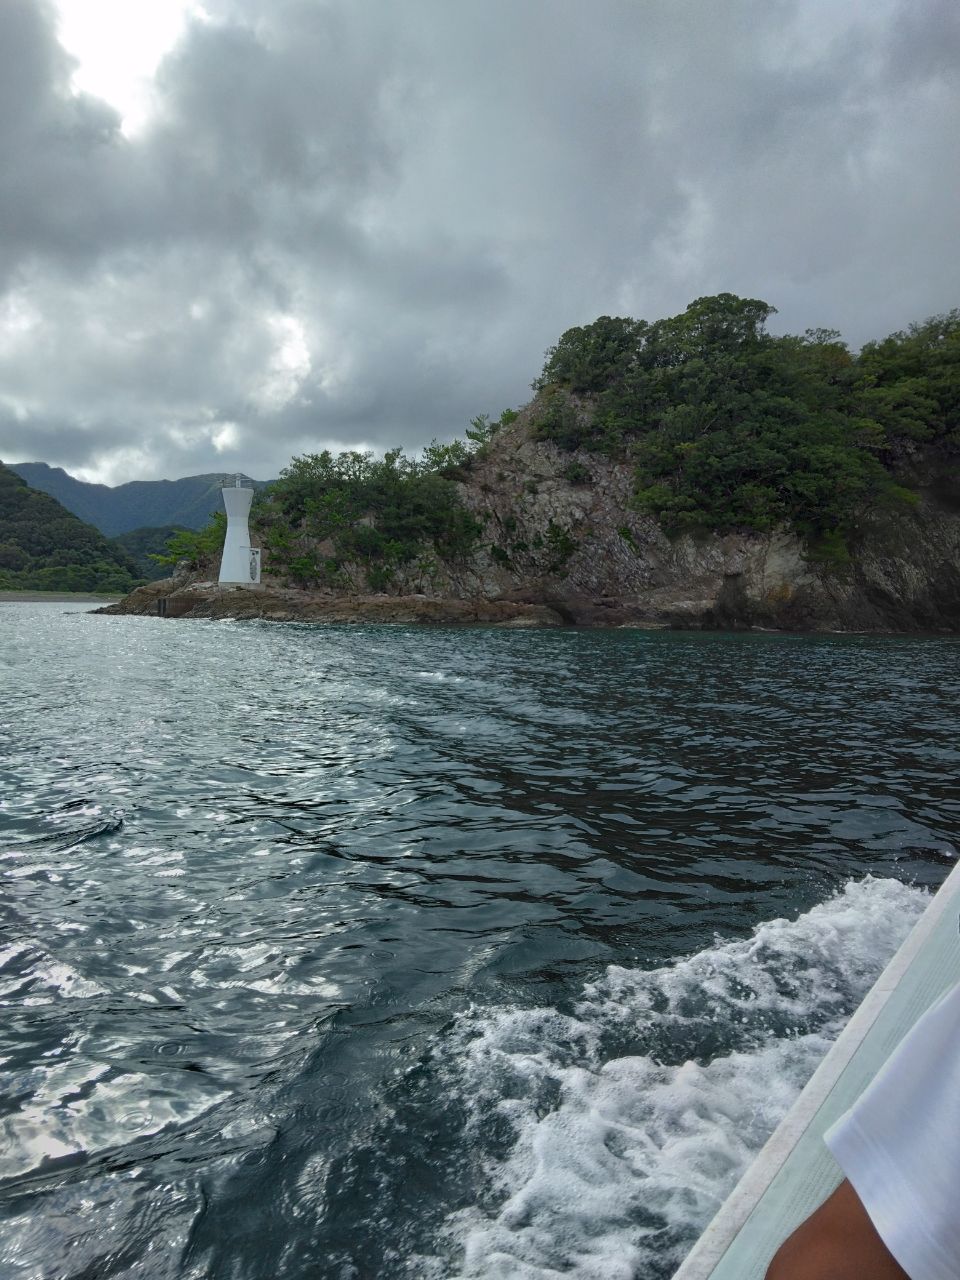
(309, 934)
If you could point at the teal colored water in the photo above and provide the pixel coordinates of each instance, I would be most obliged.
(390, 952)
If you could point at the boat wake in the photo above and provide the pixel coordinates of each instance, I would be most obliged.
(606, 1138)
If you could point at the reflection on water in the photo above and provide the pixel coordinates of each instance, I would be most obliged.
(391, 952)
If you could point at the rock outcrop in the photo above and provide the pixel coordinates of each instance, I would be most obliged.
(204, 599)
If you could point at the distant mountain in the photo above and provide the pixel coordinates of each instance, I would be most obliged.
(44, 547)
(140, 544)
(136, 505)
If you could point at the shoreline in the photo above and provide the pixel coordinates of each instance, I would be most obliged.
(165, 599)
(58, 597)
(168, 599)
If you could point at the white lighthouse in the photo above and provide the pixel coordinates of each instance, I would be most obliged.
(240, 562)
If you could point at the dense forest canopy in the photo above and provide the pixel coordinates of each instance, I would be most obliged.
(45, 548)
(378, 514)
(729, 427)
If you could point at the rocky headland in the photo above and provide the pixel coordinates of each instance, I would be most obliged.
(693, 472)
(557, 552)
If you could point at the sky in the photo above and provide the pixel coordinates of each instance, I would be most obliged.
(236, 231)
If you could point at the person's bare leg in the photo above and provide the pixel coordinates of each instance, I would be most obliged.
(837, 1242)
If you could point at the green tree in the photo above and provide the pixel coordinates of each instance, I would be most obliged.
(591, 357)
(196, 546)
(377, 514)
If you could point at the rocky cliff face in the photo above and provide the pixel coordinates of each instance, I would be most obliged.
(561, 542)
(560, 530)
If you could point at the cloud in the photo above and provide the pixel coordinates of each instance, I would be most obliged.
(362, 224)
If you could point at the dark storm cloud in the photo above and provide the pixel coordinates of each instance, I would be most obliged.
(47, 142)
(361, 224)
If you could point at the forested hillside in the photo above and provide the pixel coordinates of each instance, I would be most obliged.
(143, 546)
(43, 547)
(186, 503)
(730, 428)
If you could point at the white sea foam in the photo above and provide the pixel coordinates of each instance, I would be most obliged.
(607, 1164)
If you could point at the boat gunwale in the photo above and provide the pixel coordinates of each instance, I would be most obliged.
(732, 1215)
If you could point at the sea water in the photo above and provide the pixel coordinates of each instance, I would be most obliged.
(394, 952)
